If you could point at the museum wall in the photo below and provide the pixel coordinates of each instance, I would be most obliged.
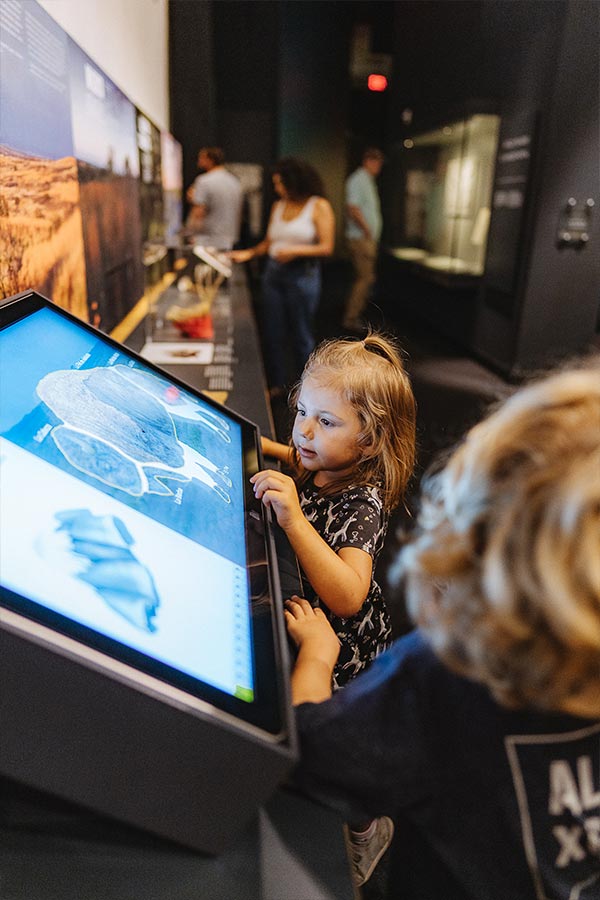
(262, 80)
(192, 80)
(128, 40)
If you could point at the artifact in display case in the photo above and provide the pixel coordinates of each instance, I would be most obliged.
(448, 178)
(195, 321)
(184, 313)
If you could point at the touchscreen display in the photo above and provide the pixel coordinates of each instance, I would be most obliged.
(122, 503)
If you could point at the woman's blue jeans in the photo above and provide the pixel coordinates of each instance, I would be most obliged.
(290, 297)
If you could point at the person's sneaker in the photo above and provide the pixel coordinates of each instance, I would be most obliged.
(366, 854)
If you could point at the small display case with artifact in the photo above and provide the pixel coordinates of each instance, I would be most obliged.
(448, 175)
(180, 323)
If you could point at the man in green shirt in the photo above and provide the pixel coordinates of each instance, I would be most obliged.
(363, 230)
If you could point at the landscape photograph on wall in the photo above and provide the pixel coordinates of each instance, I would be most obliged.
(41, 233)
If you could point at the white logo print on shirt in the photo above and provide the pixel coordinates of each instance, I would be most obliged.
(557, 783)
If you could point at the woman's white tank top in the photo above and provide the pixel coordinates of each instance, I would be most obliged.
(299, 230)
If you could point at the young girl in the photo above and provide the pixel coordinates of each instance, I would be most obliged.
(352, 454)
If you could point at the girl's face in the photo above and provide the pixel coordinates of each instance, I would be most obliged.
(326, 432)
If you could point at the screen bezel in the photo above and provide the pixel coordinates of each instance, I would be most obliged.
(267, 711)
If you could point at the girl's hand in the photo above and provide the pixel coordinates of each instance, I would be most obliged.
(311, 632)
(318, 649)
(279, 492)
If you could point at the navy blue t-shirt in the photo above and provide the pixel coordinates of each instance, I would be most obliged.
(490, 804)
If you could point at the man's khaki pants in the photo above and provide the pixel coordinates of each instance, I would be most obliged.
(363, 252)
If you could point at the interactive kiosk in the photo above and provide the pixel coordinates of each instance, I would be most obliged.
(143, 657)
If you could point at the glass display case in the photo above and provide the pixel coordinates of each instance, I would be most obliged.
(180, 321)
(447, 187)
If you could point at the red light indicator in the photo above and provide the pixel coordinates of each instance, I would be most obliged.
(377, 82)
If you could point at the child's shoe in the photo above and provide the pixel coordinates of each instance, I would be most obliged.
(366, 853)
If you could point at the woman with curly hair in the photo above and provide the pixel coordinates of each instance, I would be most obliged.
(301, 232)
(479, 733)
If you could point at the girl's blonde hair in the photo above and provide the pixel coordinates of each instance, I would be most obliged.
(369, 374)
(504, 575)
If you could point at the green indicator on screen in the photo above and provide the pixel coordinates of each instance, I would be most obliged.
(244, 693)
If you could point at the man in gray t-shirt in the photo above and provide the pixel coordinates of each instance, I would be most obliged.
(216, 198)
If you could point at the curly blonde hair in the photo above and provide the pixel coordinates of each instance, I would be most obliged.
(504, 573)
(370, 375)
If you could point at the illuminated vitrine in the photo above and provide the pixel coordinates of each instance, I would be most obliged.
(447, 188)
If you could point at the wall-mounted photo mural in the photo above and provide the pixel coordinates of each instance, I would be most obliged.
(151, 191)
(81, 183)
(105, 145)
(151, 198)
(41, 232)
(172, 183)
